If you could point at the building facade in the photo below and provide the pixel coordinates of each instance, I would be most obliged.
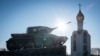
(80, 39)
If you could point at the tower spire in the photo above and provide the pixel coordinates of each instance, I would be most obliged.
(80, 13)
(79, 6)
(80, 18)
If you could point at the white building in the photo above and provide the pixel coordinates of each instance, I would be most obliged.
(80, 39)
(95, 51)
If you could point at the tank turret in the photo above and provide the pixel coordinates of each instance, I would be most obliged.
(39, 29)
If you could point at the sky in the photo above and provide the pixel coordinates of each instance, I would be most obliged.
(17, 15)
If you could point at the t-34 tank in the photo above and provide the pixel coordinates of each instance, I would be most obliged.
(35, 37)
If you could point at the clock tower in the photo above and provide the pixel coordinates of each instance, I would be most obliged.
(80, 19)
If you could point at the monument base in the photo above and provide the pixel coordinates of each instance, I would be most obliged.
(53, 51)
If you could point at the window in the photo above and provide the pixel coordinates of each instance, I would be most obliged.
(85, 50)
(34, 30)
(85, 37)
(74, 43)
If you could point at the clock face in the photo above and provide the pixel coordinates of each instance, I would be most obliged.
(80, 18)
